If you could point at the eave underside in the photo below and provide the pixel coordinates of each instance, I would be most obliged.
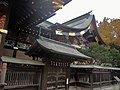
(24, 15)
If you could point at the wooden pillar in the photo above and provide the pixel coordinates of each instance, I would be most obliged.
(15, 50)
(100, 79)
(14, 53)
(91, 80)
(3, 73)
(40, 78)
(2, 40)
(44, 76)
(67, 76)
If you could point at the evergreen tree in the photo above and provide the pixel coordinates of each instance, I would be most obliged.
(103, 54)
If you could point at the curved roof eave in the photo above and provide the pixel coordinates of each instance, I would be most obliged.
(60, 48)
(57, 47)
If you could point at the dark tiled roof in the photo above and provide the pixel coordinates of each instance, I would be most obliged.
(80, 22)
(19, 61)
(93, 67)
(56, 47)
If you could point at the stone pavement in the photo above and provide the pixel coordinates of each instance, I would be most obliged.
(111, 87)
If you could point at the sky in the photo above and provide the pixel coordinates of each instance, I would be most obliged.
(100, 8)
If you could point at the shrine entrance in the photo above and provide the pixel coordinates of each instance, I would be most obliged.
(57, 58)
(56, 75)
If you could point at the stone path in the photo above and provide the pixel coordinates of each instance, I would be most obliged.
(111, 87)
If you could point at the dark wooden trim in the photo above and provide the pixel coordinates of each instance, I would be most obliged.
(15, 50)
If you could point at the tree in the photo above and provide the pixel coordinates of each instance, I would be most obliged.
(103, 54)
(115, 46)
(115, 57)
(110, 31)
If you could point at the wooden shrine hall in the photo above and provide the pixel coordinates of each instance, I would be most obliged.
(20, 17)
(36, 54)
(78, 32)
(57, 57)
(18, 31)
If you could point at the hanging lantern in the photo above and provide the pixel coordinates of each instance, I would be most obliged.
(3, 31)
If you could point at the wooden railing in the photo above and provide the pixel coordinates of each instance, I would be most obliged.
(21, 78)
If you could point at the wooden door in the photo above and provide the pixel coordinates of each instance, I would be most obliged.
(56, 74)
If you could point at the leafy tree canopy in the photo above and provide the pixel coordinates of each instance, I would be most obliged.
(103, 54)
(110, 31)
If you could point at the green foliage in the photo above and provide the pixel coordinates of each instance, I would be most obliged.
(115, 54)
(102, 54)
(115, 46)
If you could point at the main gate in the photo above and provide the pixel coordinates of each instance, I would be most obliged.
(57, 57)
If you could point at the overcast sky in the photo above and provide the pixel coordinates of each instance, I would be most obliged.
(100, 8)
